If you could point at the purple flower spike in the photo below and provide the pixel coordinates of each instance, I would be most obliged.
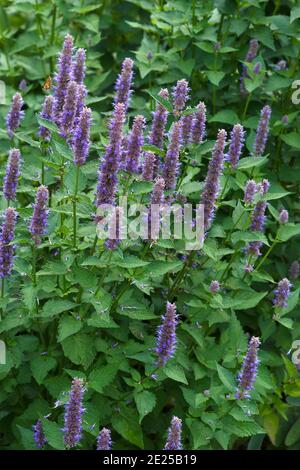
(174, 435)
(166, 335)
(78, 70)
(199, 123)
(15, 115)
(104, 440)
(250, 191)
(294, 270)
(251, 54)
(186, 123)
(38, 221)
(62, 77)
(262, 131)
(81, 137)
(81, 95)
(69, 110)
(107, 179)
(73, 414)
(180, 94)
(282, 293)
(214, 286)
(283, 216)
(160, 115)
(38, 434)
(171, 165)
(47, 113)
(247, 376)
(212, 181)
(237, 138)
(148, 166)
(135, 142)
(12, 174)
(257, 68)
(6, 237)
(154, 215)
(257, 225)
(123, 84)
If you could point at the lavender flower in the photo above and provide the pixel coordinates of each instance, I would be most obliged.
(148, 166)
(283, 216)
(81, 95)
(294, 270)
(257, 225)
(257, 68)
(262, 131)
(237, 138)
(135, 142)
(186, 123)
(38, 222)
(22, 85)
(123, 84)
(285, 119)
(251, 54)
(12, 174)
(62, 77)
(104, 440)
(73, 414)
(180, 95)
(108, 170)
(199, 122)
(123, 152)
(166, 335)
(81, 137)
(47, 113)
(160, 116)
(38, 434)
(250, 191)
(212, 181)
(174, 435)
(263, 187)
(214, 286)
(6, 237)
(78, 69)
(282, 293)
(281, 65)
(115, 229)
(69, 110)
(15, 115)
(247, 376)
(171, 165)
(157, 201)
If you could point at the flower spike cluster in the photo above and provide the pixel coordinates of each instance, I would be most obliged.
(81, 137)
(247, 376)
(104, 440)
(282, 293)
(78, 69)
(62, 77)
(6, 238)
(73, 414)
(237, 138)
(148, 166)
(38, 223)
(135, 142)
(180, 94)
(262, 132)
(46, 113)
(171, 165)
(124, 83)
(15, 115)
(166, 335)
(10, 181)
(174, 435)
(69, 110)
(38, 434)
(199, 124)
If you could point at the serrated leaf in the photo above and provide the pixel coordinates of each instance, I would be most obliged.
(145, 402)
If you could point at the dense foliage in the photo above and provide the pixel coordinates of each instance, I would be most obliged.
(82, 319)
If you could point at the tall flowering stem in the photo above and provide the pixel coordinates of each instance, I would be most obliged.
(135, 142)
(107, 179)
(262, 131)
(104, 440)
(159, 121)
(154, 215)
(38, 434)
(148, 166)
(46, 113)
(15, 115)
(12, 174)
(199, 124)
(62, 77)
(171, 165)
(180, 94)
(38, 223)
(73, 414)
(124, 83)
(282, 293)
(237, 138)
(166, 336)
(69, 110)
(78, 67)
(187, 122)
(174, 435)
(212, 181)
(247, 376)
(6, 238)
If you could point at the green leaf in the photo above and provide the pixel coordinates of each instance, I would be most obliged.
(102, 376)
(226, 377)
(215, 77)
(127, 425)
(55, 307)
(227, 116)
(160, 268)
(288, 231)
(145, 402)
(250, 162)
(53, 434)
(80, 349)
(175, 372)
(40, 366)
(162, 101)
(68, 326)
(292, 139)
(295, 14)
(294, 434)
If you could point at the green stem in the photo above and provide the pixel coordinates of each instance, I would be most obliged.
(75, 208)
(34, 259)
(246, 106)
(43, 173)
(52, 36)
(181, 275)
(267, 254)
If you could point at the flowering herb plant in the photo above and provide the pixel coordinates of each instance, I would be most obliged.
(132, 342)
